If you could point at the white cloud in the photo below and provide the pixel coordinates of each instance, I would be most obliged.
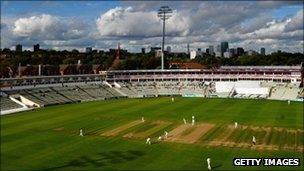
(35, 25)
(289, 28)
(47, 27)
(127, 22)
(296, 22)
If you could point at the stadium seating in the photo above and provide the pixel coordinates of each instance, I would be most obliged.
(168, 88)
(77, 92)
(291, 93)
(283, 92)
(41, 96)
(128, 89)
(8, 104)
(249, 91)
(95, 91)
(45, 96)
(241, 89)
(223, 86)
(112, 93)
(146, 89)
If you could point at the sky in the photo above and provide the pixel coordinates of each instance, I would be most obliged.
(59, 25)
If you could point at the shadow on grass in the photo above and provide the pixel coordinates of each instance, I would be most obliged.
(217, 166)
(102, 159)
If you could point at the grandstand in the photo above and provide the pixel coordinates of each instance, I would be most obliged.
(8, 104)
(166, 88)
(45, 96)
(128, 90)
(285, 92)
(224, 88)
(276, 83)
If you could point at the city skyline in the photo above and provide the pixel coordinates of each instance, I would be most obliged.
(222, 52)
(101, 25)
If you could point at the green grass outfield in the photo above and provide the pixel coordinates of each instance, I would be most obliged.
(47, 138)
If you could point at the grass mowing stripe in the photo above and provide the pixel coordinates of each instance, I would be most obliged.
(247, 136)
(187, 131)
(300, 136)
(212, 133)
(145, 127)
(235, 136)
(260, 136)
(269, 138)
(161, 132)
(149, 132)
(275, 139)
(291, 140)
(282, 138)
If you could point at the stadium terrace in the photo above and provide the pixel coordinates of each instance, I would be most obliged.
(291, 74)
(256, 82)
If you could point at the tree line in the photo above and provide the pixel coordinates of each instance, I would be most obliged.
(133, 61)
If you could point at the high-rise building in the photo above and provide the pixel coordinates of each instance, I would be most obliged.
(143, 50)
(232, 52)
(18, 48)
(263, 51)
(218, 52)
(218, 48)
(169, 49)
(240, 51)
(88, 50)
(224, 46)
(211, 50)
(188, 49)
(36, 47)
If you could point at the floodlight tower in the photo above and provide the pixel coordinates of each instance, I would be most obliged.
(164, 13)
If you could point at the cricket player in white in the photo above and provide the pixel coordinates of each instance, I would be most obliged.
(166, 134)
(142, 119)
(288, 102)
(193, 120)
(148, 141)
(235, 124)
(253, 140)
(80, 133)
(172, 99)
(208, 163)
(185, 122)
